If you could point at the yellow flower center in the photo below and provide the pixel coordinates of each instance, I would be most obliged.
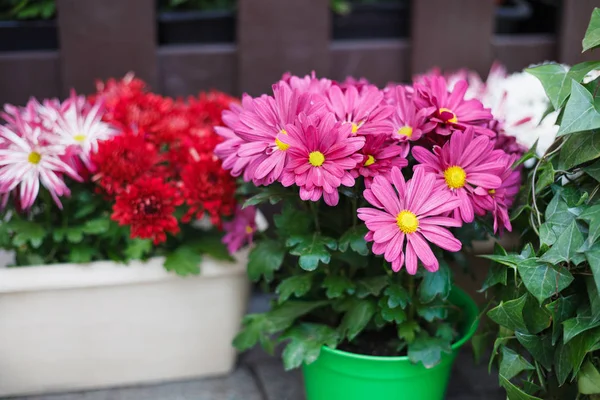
(492, 191)
(281, 146)
(455, 177)
(249, 229)
(405, 131)
(355, 127)
(283, 131)
(447, 115)
(316, 158)
(407, 221)
(370, 160)
(79, 138)
(34, 157)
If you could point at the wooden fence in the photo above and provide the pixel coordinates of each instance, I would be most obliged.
(100, 39)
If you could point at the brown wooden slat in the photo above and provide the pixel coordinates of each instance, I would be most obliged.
(102, 39)
(275, 36)
(452, 34)
(575, 19)
(26, 74)
(379, 61)
(186, 70)
(516, 52)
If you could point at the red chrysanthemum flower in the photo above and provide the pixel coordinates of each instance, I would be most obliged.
(147, 206)
(122, 159)
(207, 189)
(207, 107)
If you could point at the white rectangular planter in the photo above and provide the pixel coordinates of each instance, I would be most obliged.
(68, 327)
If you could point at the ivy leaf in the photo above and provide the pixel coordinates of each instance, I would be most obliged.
(311, 249)
(592, 34)
(497, 273)
(593, 258)
(436, 284)
(561, 309)
(588, 379)
(543, 280)
(183, 261)
(592, 216)
(371, 286)
(265, 259)
(593, 170)
(539, 346)
(545, 177)
(96, 226)
(578, 148)
(397, 296)
(337, 285)
(537, 318)
(81, 253)
(298, 285)
(428, 350)
(355, 239)
(513, 364)
(357, 317)
(26, 232)
(305, 343)
(292, 221)
(513, 392)
(580, 113)
(138, 248)
(528, 155)
(509, 314)
(584, 321)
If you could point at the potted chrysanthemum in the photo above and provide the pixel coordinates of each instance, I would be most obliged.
(87, 185)
(375, 188)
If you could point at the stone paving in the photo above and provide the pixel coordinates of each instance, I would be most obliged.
(259, 376)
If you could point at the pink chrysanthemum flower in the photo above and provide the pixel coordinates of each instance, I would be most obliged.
(25, 161)
(464, 163)
(380, 155)
(320, 157)
(499, 201)
(452, 111)
(407, 121)
(364, 110)
(241, 229)
(414, 211)
(79, 126)
(308, 83)
(352, 81)
(228, 148)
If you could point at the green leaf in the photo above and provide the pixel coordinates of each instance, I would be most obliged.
(528, 155)
(588, 379)
(545, 176)
(561, 309)
(436, 284)
(408, 330)
(593, 170)
(85, 210)
(578, 148)
(81, 253)
(305, 343)
(584, 321)
(509, 314)
(272, 193)
(183, 261)
(497, 273)
(446, 332)
(284, 315)
(592, 216)
(513, 392)
(397, 296)
(556, 79)
(543, 280)
(74, 234)
(264, 259)
(539, 346)
(371, 286)
(513, 364)
(297, 285)
(251, 332)
(26, 232)
(311, 249)
(357, 317)
(212, 245)
(593, 257)
(428, 350)
(138, 248)
(592, 34)
(537, 318)
(354, 238)
(337, 286)
(562, 362)
(292, 221)
(96, 226)
(432, 311)
(580, 113)
(391, 314)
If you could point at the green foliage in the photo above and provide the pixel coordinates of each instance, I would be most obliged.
(200, 5)
(305, 343)
(546, 303)
(27, 9)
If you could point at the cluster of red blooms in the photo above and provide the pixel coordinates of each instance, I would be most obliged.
(162, 158)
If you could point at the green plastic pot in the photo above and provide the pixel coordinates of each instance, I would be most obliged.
(339, 375)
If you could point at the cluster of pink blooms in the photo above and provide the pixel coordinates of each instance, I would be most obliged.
(318, 135)
(44, 142)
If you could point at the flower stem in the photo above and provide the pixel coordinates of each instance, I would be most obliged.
(315, 211)
(411, 292)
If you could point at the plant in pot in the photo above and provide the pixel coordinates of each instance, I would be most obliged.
(374, 186)
(546, 295)
(28, 25)
(125, 176)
